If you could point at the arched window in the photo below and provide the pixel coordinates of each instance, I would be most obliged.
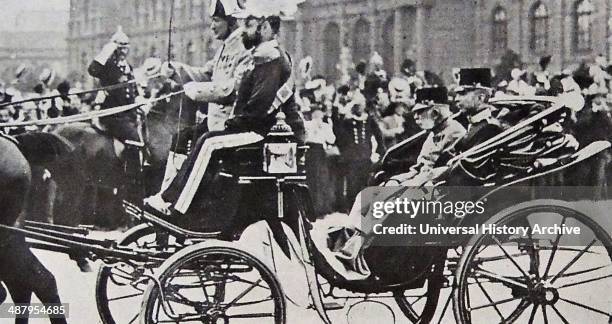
(582, 30)
(499, 39)
(388, 39)
(539, 28)
(331, 50)
(361, 40)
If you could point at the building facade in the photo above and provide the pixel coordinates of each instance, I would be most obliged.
(38, 45)
(92, 23)
(146, 22)
(442, 34)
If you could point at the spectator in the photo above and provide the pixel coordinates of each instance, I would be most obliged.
(360, 143)
(319, 135)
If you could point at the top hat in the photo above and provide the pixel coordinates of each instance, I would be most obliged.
(427, 97)
(474, 78)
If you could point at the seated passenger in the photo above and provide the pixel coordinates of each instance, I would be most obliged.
(344, 253)
(432, 113)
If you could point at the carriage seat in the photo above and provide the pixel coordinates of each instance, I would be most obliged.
(277, 155)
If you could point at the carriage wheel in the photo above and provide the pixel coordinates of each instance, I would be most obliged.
(419, 305)
(120, 286)
(553, 278)
(217, 284)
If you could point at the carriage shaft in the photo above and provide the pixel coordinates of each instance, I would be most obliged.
(94, 247)
(55, 227)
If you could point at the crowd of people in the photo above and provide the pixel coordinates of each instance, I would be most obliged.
(62, 103)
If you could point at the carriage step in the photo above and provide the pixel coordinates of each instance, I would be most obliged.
(333, 306)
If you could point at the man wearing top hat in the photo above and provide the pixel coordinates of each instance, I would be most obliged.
(111, 67)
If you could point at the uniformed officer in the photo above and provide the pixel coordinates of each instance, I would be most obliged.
(215, 83)
(111, 67)
(262, 82)
(355, 132)
(432, 113)
(472, 98)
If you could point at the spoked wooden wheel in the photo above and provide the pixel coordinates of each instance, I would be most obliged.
(536, 278)
(419, 305)
(120, 286)
(214, 285)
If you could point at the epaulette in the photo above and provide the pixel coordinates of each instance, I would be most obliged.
(265, 54)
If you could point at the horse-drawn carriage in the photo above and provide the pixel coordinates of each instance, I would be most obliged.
(255, 271)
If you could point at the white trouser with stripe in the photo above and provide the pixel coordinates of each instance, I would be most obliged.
(203, 159)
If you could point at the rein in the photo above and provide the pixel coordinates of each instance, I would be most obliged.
(110, 87)
(88, 115)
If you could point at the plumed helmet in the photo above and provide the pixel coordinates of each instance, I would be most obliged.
(47, 76)
(376, 59)
(225, 8)
(120, 38)
(261, 9)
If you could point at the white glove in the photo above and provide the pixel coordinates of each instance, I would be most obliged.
(374, 157)
(168, 69)
(106, 52)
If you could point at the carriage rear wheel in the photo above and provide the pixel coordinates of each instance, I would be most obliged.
(419, 305)
(214, 284)
(534, 277)
(120, 286)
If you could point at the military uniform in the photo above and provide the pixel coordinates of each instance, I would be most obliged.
(355, 144)
(251, 119)
(217, 81)
(110, 71)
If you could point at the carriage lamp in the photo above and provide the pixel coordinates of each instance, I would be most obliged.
(280, 150)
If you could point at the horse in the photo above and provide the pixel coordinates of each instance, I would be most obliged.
(20, 271)
(95, 172)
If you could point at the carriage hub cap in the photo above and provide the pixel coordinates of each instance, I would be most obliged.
(545, 294)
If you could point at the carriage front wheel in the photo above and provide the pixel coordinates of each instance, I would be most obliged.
(214, 284)
(121, 285)
(535, 277)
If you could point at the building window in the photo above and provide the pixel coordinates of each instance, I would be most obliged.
(331, 50)
(361, 40)
(500, 30)
(388, 43)
(539, 28)
(582, 36)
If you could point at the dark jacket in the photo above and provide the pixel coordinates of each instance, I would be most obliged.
(111, 74)
(354, 138)
(257, 91)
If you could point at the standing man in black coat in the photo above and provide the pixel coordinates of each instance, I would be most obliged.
(355, 131)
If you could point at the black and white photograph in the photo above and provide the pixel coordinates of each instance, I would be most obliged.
(305, 161)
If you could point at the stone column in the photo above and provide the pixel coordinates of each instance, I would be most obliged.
(398, 50)
(419, 39)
